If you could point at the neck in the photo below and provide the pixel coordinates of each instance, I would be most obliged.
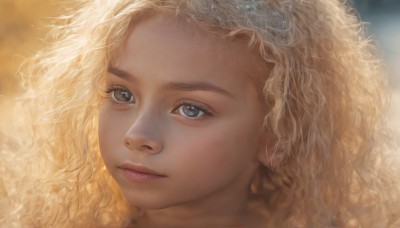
(239, 212)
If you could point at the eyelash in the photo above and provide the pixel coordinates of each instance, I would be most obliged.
(201, 108)
(111, 94)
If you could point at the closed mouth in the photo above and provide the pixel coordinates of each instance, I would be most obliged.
(139, 169)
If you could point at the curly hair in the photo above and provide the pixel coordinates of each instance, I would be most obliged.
(325, 96)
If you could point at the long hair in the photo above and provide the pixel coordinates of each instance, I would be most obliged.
(324, 97)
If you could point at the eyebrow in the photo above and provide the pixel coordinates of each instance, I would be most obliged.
(121, 74)
(194, 86)
(183, 86)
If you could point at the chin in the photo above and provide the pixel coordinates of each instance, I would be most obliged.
(146, 202)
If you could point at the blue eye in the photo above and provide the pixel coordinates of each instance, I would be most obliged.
(120, 95)
(190, 111)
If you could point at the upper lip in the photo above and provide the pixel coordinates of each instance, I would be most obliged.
(139, 168)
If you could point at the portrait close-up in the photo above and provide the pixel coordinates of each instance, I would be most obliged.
(200, 113)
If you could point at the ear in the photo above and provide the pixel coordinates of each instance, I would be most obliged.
(264, 155)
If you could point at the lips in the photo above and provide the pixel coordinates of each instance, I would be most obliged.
(138, 173)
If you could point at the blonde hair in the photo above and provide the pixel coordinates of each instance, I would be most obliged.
(325, 95)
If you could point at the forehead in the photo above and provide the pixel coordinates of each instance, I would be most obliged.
(172, 30)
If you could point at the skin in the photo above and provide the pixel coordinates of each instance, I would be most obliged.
(208, 148)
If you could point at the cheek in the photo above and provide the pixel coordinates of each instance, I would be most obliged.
(110, 134)
(222, 150)
(104, 135)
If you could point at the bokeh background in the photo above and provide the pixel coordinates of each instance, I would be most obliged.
(23, 27)
(383, 18)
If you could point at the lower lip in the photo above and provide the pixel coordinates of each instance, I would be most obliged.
(135, 176)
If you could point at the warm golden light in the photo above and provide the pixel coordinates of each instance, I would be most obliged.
(23, 25)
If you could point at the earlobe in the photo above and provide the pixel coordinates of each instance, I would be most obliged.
(268, 159)
(262, 155)
(265, 156)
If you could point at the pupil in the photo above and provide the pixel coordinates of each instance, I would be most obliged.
(123, 96)
(190, 111)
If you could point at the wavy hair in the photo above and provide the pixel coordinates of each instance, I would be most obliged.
(325, 97)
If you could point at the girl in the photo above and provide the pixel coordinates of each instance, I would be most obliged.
(175, 113)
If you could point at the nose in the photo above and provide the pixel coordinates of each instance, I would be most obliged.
(144, 135)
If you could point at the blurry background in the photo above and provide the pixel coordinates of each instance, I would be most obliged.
(22, 26)
(383, 17)
(384, 25)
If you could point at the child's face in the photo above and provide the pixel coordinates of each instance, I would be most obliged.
(182, 103)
